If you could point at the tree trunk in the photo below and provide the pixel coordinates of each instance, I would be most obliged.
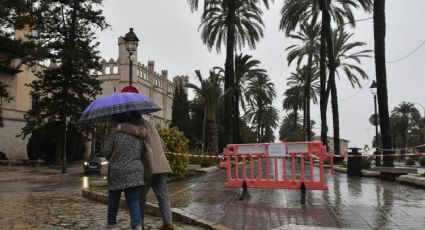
(236, 115)
(335, 116)
(204, 129)
(212, 137)
(259, 127)
(323, 96)
(229, 73)
(381, 78)
(308, 91)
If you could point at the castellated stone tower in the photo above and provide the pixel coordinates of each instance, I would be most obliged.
(181, 81)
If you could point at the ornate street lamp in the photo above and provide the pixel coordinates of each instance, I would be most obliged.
(131, 42)
(375, 121)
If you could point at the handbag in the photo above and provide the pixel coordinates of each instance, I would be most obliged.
(104, 169)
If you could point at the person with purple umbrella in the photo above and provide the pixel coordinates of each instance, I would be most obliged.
(124, 153)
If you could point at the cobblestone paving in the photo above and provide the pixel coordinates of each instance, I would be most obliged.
(61, 210)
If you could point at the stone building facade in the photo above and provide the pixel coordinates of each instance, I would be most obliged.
(114, 76)
(343, 144)
(15, 76)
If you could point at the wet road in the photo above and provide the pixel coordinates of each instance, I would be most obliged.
(57, 204)
(361, 203)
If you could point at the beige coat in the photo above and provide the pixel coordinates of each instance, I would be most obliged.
(155, 160)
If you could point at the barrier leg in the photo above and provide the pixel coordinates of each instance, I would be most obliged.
(303, 192)
(245, 193)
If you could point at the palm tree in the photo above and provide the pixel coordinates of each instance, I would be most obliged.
(290, 129)
(381, 78)
(209, 94)
(404, 114)
(295, 12)
(308, 37)
(245, 68)
(292, 100)
(346, 59)
(234, 23)
(259, 94)
(307, 80)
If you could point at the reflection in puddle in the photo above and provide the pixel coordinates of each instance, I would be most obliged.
(85, 180)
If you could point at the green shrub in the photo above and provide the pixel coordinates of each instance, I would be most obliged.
(176, 142)
(422, 161)
(410, 161)
(366, 163)
(327, 161)
(204, 162)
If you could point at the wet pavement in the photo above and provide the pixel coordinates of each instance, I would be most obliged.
(360, 203)
(48, 200)
(55, 202)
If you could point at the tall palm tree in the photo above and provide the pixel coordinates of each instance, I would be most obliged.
(346, 58)
(295, 12)
(260, 93)
(292, 100)
(290, 129)
(209, 94)
(404, 114)
(308, 79)
(245, 68)
(308, 37)
(270, 121)
(234, 23)
(381, 78)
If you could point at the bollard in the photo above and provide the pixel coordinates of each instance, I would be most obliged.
(354, 163)
(303, 192)
(377, 158)
(245, 193)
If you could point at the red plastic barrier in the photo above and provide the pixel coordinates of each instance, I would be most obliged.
(276, 157)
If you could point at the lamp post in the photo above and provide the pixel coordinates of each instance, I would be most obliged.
(373, 89)
(64, 154)
(131, 42)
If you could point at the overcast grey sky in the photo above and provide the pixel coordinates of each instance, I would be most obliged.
(168, 33)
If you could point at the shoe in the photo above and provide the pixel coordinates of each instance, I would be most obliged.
(167, 227)
(138, 227)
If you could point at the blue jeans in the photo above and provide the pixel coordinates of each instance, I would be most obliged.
(132, 196)
(158, 182)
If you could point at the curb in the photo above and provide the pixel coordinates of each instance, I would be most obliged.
(153, 209)
(412, 180)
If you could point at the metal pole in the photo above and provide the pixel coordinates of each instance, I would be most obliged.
(377, 159)
(130, 72)
(64, 158)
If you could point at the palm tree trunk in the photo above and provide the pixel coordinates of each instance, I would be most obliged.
(335, 116)
(323, 96)
(381, 78)
(326, 24)
(308, 84)
(204, 129)
(259, 127)
(236, 116)
(212, 138)
(229, 73)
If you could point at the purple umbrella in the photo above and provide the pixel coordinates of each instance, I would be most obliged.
(103, 108)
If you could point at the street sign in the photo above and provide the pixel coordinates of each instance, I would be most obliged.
(374, 119)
